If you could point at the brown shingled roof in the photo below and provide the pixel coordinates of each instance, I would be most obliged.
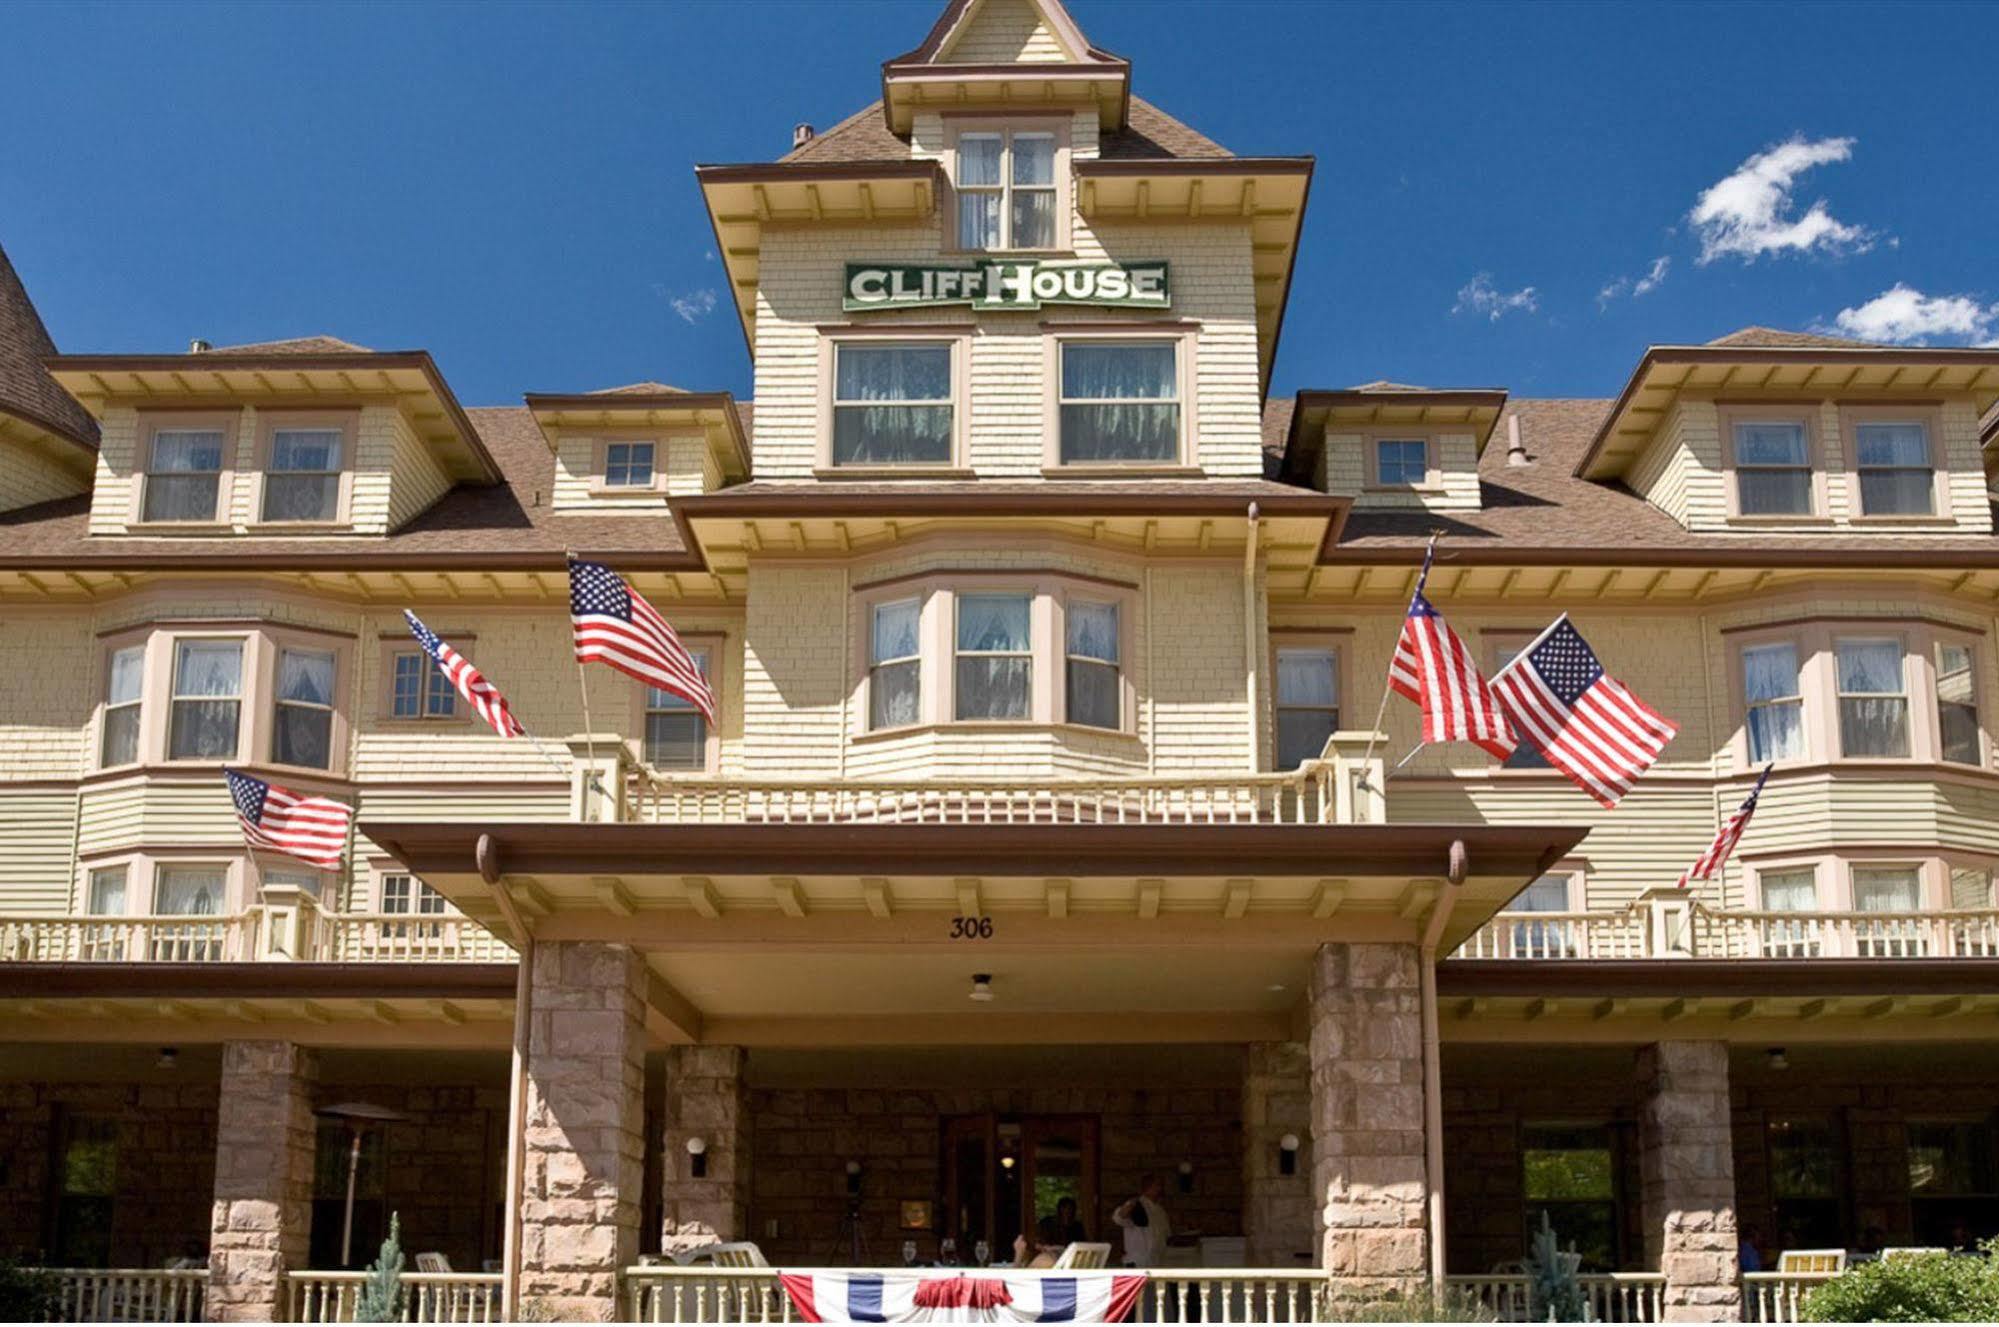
(26, 390)
(1149, 134)
(1777, 337)
(295, 345)
(647, 388)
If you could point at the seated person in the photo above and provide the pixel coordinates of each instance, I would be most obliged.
(1043, 1255)
(1063, 1228)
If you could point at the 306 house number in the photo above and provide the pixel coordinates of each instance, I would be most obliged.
(971, 928)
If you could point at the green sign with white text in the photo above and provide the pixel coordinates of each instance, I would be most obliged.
(1006, 284)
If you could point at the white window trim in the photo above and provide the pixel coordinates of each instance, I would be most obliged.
(1185, 339)
(1931, 419)
(347, 423)
(1731, 413)
(955, 336)
(708, 646)
(153, 422)
(957, 126)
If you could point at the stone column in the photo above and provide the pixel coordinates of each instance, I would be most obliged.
(705, 1099)
(1687, 1173)
(585, 1155)
(1368, 1166)
(1276, 1102)
(262, 1222)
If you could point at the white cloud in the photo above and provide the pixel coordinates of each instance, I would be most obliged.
(1479, 295)
(1654, 277)
(694, 305)
(1749, 213)
(1905, 316)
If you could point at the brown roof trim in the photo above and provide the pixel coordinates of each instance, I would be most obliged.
(687, 559)
(1673, 978)
(48, 425)
(292, 363)
(1294, 468)
(993, 850)
(1143, 166)
(828, 500)
(193, 981)
(1758, 555)
(763, 172)
(1657, 355)
(639, 402)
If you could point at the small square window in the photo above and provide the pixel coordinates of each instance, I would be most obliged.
(1401, 461)
(628, 465)
(418, 688)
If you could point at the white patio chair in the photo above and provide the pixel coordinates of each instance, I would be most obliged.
(742, 1254)
(1890, 1255)
(1812, 1260)
(432, 1262)
(1081, 1255)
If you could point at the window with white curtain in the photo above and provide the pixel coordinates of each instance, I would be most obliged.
(892, 403)
(1773, 468)
(1888, 889)
(628, 464)
(106, 942)
(1773, 694)
(1790, 891)
(1119, 402)
(895, 681)
(1873, 697)
(1957, 703)
(207, 700)
(183, 475)
(1007, 189)
(418, 688)
(404, 895)
(107, 891)
(676, 733)
(995, 661)
(1550, 939)
(1092, 676)
(124, 686)
(302, 727)
(1970, 886)
(1308, 703)
(1896, 474)
(302, 479)
(188, 891)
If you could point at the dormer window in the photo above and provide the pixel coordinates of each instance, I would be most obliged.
(184, 465)
(1401, 462)
(1773, 468)
(1008, 179)
(628, 465)
(302, 482)
(1892, 460)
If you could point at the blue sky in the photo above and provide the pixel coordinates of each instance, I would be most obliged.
(510, 186)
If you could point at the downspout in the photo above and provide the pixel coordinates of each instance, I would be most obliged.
(488, 857)
(1433, 1062)
(1251, 540)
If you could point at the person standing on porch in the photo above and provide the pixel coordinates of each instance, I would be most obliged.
(1145, 1225)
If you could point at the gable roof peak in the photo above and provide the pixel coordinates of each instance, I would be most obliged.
(984, 32)
(292, 345)
(26, 389)
(1770, 338)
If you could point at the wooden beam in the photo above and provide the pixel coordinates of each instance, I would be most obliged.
(1742, 1009)
(1893, 1004)
(1417, 896)
(529, 896)
(1235, 899)
(384, 1012)
(880, 901)
(701, 895)
(611, 892)
(1471, 1006)
(1676, 1010)
(1539, 1008)
(1609, 1008)
(1148, 898)
(970, 904)
(790, 895)
(1327, 898)
(670, 1013)
(448, 1012)
(1057, 895)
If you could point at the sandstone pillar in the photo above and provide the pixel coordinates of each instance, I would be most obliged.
(1368, 1166)
(264, 1136)
(1687, 1171)
(706, 1101)
(585, 1158)
(1277, 1104)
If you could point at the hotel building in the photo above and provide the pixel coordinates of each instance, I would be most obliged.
(1044, 839)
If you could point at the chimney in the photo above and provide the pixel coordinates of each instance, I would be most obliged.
(1516, 451)
(801, 134)
(198, 346)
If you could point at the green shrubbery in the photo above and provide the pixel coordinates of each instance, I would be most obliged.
(1934, 1287)
(27, 1294)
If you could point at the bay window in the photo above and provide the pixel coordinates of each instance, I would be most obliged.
(1092, 678)
(1008, 188)
(302, 476)
(189, 891)
(302, 721)
(1308, 703)
(1773, 468)
(183, 480)
(1791, 890)
(994, 666)
(676, 733)
(105, 897)
(1773, 696)
(124, 687)
(207, 701)
(1892, 461)
(1119, 402)
(895, 665)
(1873, 697)
(1889, 889)
(1957, 703)
(892, 403)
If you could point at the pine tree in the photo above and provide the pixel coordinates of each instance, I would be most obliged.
(1554, 1294)
(381, 1293)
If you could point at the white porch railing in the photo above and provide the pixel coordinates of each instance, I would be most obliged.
(400, 937)
(63, 938)
(427, 1296)
(1667, 924)
(129, 1294)
(1776, 1296)
(1613, 1296)
(705, 1294)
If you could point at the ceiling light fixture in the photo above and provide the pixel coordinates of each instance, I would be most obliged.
(982, 986)
(169, 1058)
(1779, 1061)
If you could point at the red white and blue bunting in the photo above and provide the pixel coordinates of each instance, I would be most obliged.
(920, 1295)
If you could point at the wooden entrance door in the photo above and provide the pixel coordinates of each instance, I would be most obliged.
(1005, 1175)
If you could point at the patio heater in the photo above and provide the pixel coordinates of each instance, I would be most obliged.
(357, 1116)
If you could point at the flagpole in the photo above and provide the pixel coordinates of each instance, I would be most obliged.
(1388, 686)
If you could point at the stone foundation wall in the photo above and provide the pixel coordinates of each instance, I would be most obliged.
(804, 1139)
(166, 1164)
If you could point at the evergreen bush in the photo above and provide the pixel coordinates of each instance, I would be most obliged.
(382, 1293)
(1554, 1292)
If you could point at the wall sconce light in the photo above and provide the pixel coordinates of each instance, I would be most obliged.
(169, 1059)
(697, 1157)
(1186, 1177)
(1779, 1061)
(1287, 1154)
(853, 1179)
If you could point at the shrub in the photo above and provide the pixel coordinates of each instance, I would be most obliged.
(381, 1294)
(27, 1294)
(1935, 1287)
(1553, 1292)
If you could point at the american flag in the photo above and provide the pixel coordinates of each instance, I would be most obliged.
(1586, 722)
(615, 626)
(312, 829)
(1726, 837)
(1433, 668)
(481, 695)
